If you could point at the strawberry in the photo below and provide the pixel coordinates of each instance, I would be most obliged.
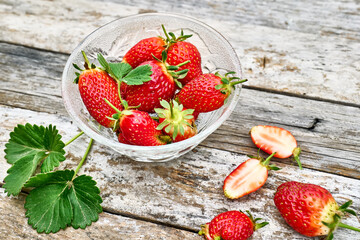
(231, 225)
(95, 85)
(161, 86)
(121, 138)
(176, 121)
(310, 209)
(144, 50)
(180, 51)
(207, 92)
(248, 177)
(274, 139)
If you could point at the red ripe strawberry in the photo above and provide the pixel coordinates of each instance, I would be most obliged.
(248, 177)
(231, 225)
(176, 121)
(121, 138)
(310, 209)
(144, 50)
(161, 86)
(207, 92)
(95, 85)
(274, 139)
(180, 51)
(139, 128)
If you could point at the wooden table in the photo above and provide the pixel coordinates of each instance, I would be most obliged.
(302, 60)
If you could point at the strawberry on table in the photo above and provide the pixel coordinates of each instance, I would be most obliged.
(176, 121)
(248, 177)
(144, 50)
(274, 139)
(180, 51)
(231, 225)
(207, 92)
(161, 86)
(95, 84)
(310, 209)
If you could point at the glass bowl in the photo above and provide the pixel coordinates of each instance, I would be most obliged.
(113, 40)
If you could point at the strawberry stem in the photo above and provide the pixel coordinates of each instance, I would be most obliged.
(237, 82)
(74, 138)
(343, 225)
(267, 160)
(112, 106)
(83, 158)
(296, 154)
(87, 62)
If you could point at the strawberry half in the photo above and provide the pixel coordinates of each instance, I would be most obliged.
(310, 209)
(248, 177)
(176, 121)
(274, 139)
(207, 92)
(144, 50)
(231, 225)
(161, 86)
(94, 85)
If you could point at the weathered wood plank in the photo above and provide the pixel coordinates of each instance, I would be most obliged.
(316, 124)
(274, 59)
(109, 226)
(184, 193)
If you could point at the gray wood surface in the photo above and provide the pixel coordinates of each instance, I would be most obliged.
(302, 59)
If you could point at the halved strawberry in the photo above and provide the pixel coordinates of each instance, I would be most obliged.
(272, 139)
(231, 225)
(248, 177)
(176, 121)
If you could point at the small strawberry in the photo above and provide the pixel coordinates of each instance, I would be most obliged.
(137, 127)
(161, 86)
(95, 85)
(180, 51)
(144, 50)
(248, 177)
(274, 139)
(207, 92)
(121, 138)
(231, 225)
(176, 121)
(310, 209)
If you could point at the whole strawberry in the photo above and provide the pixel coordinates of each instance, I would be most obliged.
(179, 51)
(94, 85)
(310, 209)
(231, 225)
(161, 86)
(144, 51)
(176, 121)
(207, 92)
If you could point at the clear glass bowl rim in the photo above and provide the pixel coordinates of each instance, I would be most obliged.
(188, 142)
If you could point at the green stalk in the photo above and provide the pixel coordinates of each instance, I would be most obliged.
(237, 82)
(87, 62)
(267, 160)
(84, 157)
(74, 138)
(343, 225)
(119, 92)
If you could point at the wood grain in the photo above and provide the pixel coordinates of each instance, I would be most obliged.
(328, 133)
(184, 193)
(320, 45)
(109, 226)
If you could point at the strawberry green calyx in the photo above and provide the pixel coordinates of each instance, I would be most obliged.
(87, 66)
(175, 118)
(266, 162)
(256, 225)
(228, 83)
(117, 116)
(172, 70)
(337, 220)
(171, 38)
(296, 154)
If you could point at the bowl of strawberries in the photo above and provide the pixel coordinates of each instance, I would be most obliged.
(152, 86)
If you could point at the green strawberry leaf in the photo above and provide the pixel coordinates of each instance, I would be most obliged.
(138, 75)
(29, 146)
(120, 69)
(59, 200)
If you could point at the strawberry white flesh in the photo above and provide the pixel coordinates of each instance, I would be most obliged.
(246, 178)
(274, 139)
